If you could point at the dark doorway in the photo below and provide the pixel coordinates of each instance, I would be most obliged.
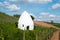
(16, 23)
(27, 27)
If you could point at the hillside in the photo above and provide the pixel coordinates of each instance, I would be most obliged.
(55, 24)
(44, 24)
(9, 30)
(6, 18)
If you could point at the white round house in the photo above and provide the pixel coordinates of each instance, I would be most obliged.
(25, 21)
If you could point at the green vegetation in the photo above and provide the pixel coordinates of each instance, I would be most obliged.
(16, 16)
(6, 18)
(55, 24)
(9, 30)
(32, 17)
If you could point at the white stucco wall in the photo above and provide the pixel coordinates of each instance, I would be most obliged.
(25, 20)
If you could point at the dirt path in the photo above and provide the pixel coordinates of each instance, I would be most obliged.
(40, 23)
(55, 36)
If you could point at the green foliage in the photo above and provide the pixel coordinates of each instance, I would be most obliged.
(16, 16)
(6, 18)
(52, 21)
(44, 33)
(9, 31)
(32, 17)
(30, 35)
(55, 24)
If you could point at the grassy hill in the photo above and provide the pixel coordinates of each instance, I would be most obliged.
(9, 31)
(6, 18)
(55, 24)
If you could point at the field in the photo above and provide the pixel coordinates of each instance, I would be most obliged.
(9, 30)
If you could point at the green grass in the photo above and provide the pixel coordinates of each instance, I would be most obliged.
(6, 18)
(9, 31)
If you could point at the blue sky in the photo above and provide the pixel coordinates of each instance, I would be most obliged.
(42, 10)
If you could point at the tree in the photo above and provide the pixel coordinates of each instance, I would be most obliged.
(32, 17)
(16, 15)
(52, 21)
(16, 23)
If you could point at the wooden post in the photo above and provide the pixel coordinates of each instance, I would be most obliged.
(36, 34)
(24, 35)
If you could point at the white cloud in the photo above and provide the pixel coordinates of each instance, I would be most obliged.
(4, 3)
(10, 7)
(58, 17)
(45, 1)
(48, 16)
(51, 16)
(1, 4)
(43, 15)
(33, 1)
(55, 6)
(12, 0)
(13, 7)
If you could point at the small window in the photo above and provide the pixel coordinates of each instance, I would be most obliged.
(23, 25)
